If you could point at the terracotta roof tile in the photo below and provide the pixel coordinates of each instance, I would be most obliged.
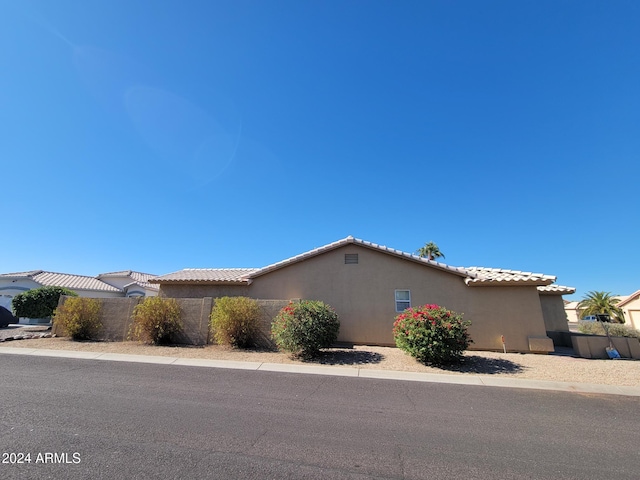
(66, 280)
(206, 275)
(139, 278)
(496, 276)
(556, 290)
(364, 243)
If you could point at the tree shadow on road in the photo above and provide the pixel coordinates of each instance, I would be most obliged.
(484, 366)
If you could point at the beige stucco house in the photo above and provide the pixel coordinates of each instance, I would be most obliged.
(125, 283)
(630, 305)
(369, 284)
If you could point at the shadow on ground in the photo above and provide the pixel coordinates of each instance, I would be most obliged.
(484, 366)
(347, 357)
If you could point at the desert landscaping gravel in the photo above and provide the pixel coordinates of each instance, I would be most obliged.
(561, 368)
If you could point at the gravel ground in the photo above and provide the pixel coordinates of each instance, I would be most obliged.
(562, 368)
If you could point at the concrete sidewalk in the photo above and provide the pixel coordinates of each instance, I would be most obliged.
(467, 379)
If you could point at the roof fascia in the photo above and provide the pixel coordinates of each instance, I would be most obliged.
(362, 243)
(629, 299)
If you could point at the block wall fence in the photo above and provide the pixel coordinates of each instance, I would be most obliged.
(116, 313)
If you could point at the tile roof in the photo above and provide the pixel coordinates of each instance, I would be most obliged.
(206, 275)
(473, 276)
(356, 241)
(28, 274)
(499, 276)
(556, 290)
(139, 278)
(53, 279)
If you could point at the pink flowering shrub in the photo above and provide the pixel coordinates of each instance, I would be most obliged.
(303, 328)
(432, 334)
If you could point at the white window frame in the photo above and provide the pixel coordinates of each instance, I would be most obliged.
(402, 301)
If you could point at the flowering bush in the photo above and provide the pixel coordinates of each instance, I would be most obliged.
(156, 320)
(79, 317)
(235, 321)
(303, 328)
(432, 334)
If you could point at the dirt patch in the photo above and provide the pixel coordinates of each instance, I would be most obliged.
(511, 365)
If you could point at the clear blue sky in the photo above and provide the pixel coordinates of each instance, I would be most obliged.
(157, 136)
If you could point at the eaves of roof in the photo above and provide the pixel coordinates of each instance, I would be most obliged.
(18, 275)
(219, 276)
(556, 290)
(629, 299)
(491, 277)
(146, 285)
(356, 241)
(74, 282)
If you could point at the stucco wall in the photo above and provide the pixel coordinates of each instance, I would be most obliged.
(512, 312)
(555, 317)
(364, 297)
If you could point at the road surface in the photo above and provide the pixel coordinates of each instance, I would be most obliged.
(100, 419)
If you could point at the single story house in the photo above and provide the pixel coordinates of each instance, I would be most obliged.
(369, 284)
(630, 305)
(107, 285)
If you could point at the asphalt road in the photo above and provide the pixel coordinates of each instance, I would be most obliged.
(99, 419)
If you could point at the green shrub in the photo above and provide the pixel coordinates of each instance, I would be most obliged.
(79, 317)
(303, 328)
(156, 320)
(235, 321)
(39, 302)
(432, 334)
(615, 329)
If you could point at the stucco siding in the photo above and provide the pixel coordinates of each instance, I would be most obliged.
(555, 317)
(364, 297)
(632, 313)
(512, 312)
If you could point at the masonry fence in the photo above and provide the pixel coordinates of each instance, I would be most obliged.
(116, 317)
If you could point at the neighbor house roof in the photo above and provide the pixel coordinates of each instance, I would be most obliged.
(356, 241)
(484, 276)
(629, 299)
(139, 278)
(66, 280)
(206, 275)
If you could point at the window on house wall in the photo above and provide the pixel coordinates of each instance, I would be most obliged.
(350, 258)
(403, 300)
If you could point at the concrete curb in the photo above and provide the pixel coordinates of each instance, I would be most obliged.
(478, 380)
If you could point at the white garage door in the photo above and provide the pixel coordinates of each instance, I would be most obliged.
(5, 301)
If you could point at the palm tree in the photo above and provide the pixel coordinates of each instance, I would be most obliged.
(430, 250)
(597, 303)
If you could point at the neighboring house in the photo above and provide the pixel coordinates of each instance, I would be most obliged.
(630, 305)
(132, 284)
(571, 309)
(369, 284)
(107, 285)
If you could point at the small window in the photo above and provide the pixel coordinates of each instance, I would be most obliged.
(403, 300)
(350, 258)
